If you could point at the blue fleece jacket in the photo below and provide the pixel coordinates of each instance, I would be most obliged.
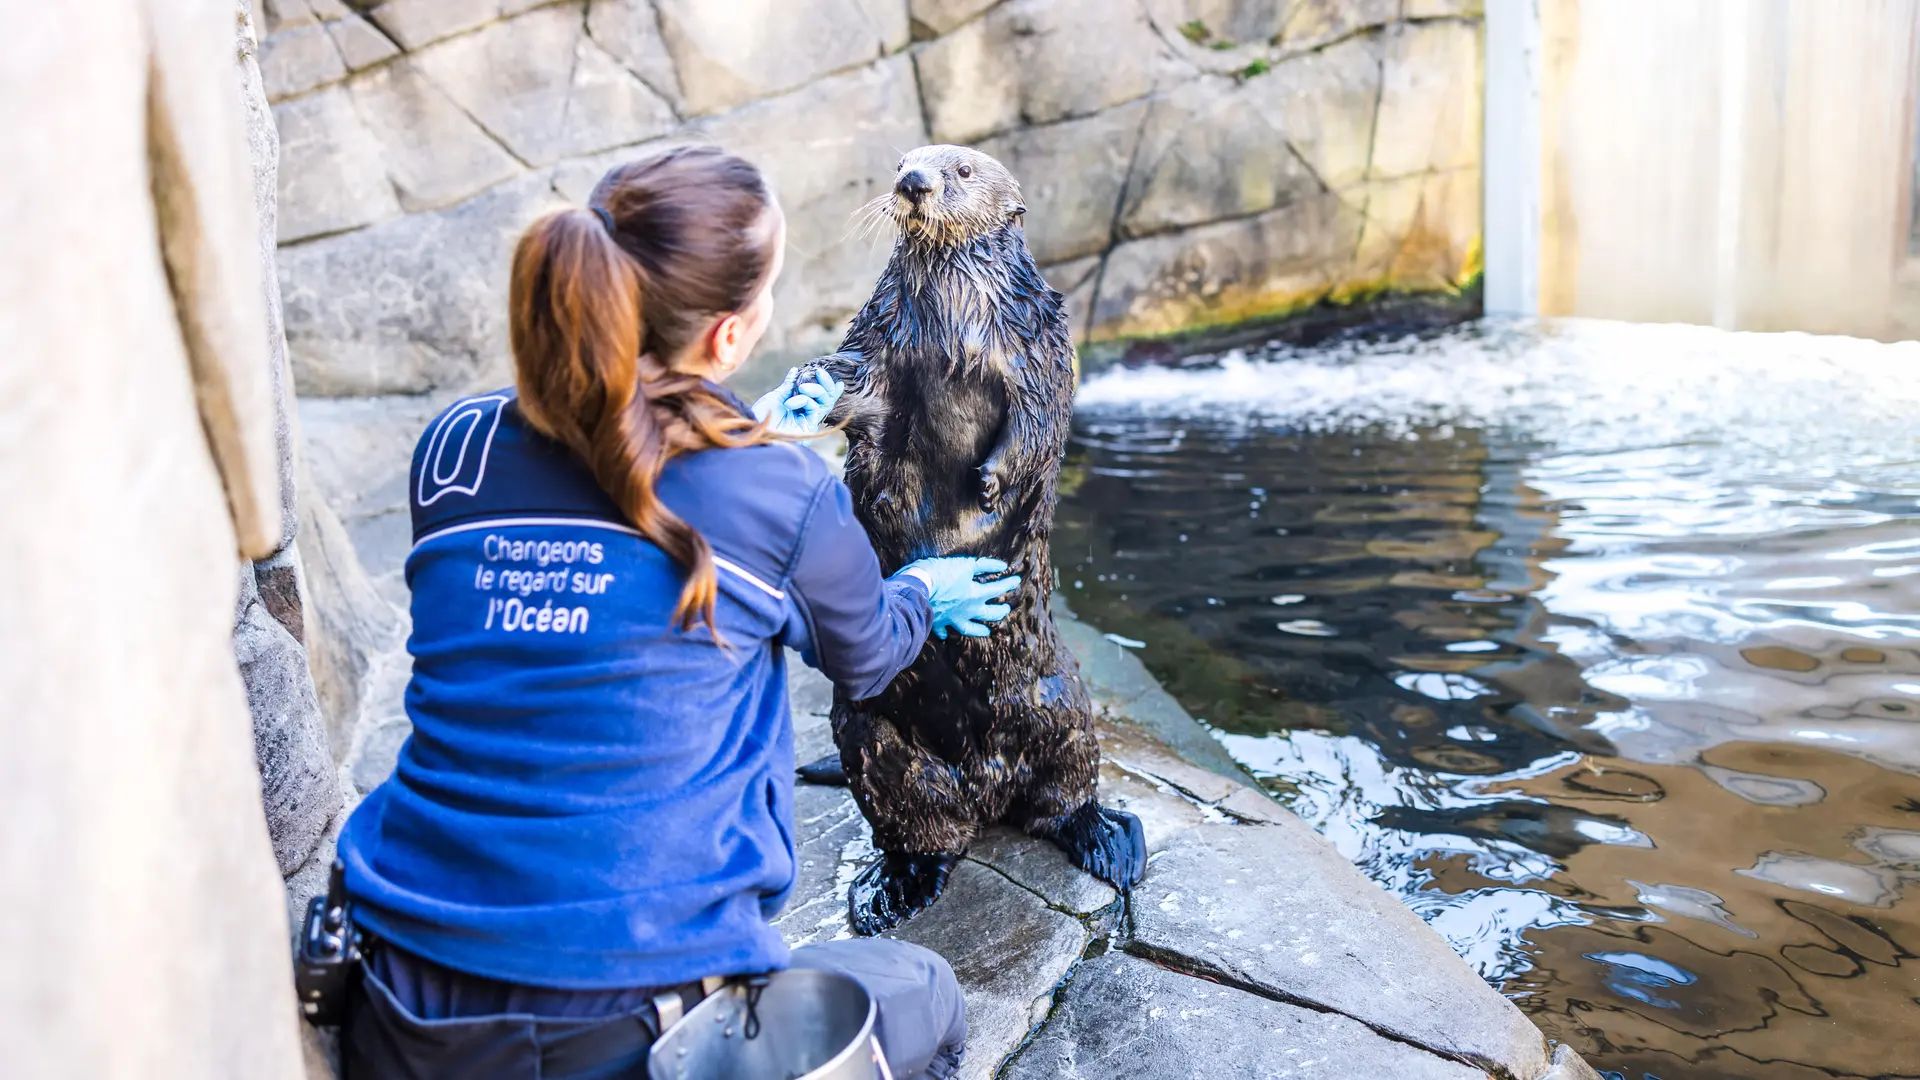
(590, 798)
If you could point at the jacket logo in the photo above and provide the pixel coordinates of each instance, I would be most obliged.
(456, 457)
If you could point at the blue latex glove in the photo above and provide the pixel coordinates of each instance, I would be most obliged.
(960, 602)
(800, 408)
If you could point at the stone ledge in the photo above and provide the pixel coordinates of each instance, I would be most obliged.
(1275, 909)
(1009, 950)
(1121, 1017)
(1122, 687)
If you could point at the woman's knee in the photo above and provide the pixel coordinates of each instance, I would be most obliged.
(922, 1012)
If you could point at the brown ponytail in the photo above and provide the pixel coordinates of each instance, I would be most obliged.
(601, 310)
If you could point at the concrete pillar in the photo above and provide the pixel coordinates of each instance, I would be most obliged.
(1511, 159)
(144, 926)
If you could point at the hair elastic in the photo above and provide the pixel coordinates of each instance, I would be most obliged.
(606, 219)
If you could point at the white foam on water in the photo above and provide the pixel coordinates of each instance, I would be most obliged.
(1829, 406)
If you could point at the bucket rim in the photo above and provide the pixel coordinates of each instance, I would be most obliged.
(863, 1041)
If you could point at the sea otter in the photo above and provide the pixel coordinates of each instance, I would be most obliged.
(960, 393)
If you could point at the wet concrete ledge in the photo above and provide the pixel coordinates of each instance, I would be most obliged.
(1252, 949)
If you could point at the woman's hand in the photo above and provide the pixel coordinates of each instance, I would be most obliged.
(800, 408)
(959, 601)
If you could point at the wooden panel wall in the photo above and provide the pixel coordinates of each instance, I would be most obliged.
(1747, 163)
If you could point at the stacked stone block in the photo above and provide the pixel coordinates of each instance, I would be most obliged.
(1188, 162)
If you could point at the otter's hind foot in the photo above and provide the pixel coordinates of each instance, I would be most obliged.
(828, 771)
(1109, 844)
(895, 889)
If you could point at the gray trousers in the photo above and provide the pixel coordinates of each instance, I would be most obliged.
(415, 1020)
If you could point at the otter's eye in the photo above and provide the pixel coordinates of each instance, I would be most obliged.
(965, 171)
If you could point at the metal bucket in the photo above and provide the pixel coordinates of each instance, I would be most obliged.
(814, 1025)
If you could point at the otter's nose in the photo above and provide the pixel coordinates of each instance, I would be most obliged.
(914, 185)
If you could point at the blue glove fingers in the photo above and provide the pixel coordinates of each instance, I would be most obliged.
(989, 566)
(981, 615)
(971, 619)
(767, 408)
(984, 590)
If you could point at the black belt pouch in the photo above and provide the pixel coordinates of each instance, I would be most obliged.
(384, 1041)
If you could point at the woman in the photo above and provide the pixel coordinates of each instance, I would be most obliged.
(593, 819)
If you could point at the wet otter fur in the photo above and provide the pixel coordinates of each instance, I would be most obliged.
(960, 394)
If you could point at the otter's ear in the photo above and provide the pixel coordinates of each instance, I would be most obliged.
(1016, 209)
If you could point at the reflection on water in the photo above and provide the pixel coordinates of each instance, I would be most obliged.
(1597, 644)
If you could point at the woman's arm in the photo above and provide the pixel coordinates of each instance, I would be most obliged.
(858, 628)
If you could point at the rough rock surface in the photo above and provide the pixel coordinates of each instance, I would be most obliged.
(354, 516)
(300, 786)
(352, 627)
(1226, 272)
(1568, 1065)
(932, 18)
(435, 153)
(1009, 974)
(1273, 908)
(508, 77)
(1216, 159)
(728, 54)
(1028, 62)
(1043, 870)
(1218, 146)
(822, 173)
(1077, 172)
(358, 455)
(1123, 1018)
(411, 305)
(331, 176)
(414, 24)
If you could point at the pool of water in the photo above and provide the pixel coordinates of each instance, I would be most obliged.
(1597, 644)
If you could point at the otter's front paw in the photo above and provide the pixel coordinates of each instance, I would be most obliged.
(989, 489)
(1109, 844)
(895, 889)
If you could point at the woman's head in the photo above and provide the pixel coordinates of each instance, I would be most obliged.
(704, 228)
(621, 312)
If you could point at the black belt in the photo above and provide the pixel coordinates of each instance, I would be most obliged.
(667, 1003)
(331, 951)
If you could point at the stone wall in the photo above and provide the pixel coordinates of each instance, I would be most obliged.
(1188, 162)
